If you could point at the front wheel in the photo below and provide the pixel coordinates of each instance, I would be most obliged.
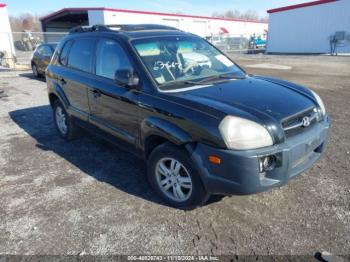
(172, 175)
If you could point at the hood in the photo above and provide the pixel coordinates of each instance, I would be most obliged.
(260, 97)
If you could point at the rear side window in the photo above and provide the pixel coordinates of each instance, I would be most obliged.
(64, 53)
(110, 57)
(40, 50)
(81, 54)
(47, 51)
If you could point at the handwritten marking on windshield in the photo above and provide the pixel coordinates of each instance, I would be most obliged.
(168, 64)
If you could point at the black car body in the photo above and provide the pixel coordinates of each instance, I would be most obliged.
(185, 128)
(41, 58)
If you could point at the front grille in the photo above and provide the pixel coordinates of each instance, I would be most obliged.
(300, 122)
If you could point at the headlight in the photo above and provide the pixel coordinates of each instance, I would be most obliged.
(319, 102)
(239, 133)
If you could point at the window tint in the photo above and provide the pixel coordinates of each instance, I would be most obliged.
(64, 53)
(81, 54)
(109, 58)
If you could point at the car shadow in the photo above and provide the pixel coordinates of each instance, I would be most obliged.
(32, 77)
(91, 154)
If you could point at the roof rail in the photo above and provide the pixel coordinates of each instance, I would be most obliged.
(121, 27)
(84, 29)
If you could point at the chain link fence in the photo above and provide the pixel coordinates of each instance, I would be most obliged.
(243, 44)
(19, 46)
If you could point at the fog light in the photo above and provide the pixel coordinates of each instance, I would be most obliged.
(267, 163)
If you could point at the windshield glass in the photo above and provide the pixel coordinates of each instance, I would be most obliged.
(179, 61)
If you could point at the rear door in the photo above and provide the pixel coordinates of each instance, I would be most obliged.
(75, 73)
(113, 108)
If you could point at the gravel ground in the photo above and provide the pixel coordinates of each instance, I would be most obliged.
(89, 197)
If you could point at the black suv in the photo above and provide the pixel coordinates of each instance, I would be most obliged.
(202, 124)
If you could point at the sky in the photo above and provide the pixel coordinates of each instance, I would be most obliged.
(194, 7)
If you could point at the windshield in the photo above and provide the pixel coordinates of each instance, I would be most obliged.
(180, 61)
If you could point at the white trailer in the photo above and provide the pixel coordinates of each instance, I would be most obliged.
(6, 41)
(66, 18)
(313, 27)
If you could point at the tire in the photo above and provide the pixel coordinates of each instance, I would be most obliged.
(161, 170)
(35, 71)
(63, 122)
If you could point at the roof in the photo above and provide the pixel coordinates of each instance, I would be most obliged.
(130, 31)
(131, 35)
(2, 5)
(120, 28)
(140, 12)
(291, 7)
(152, 33)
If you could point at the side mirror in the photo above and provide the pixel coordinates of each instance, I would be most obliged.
(127, 78)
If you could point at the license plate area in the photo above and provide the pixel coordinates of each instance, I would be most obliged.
(304, 151)
(302, 160)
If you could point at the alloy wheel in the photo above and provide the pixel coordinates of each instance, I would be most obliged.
(173, 179)
(61, 120)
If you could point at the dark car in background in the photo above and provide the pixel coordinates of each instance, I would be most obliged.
(237, 43)
(202, 127)
(41, 58)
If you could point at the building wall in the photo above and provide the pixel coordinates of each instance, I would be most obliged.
(6, 41)
(200, 26)
(308, 29)
(96, 17)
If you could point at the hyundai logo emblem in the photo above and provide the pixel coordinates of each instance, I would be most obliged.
(306, 121)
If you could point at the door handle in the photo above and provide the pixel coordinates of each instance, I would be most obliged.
(63, 82)
(96, 93)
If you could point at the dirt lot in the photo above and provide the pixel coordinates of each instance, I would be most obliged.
(89, 197)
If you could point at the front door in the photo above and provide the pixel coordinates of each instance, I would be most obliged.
(113, 108)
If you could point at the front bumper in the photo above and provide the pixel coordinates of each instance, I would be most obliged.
(239, 173)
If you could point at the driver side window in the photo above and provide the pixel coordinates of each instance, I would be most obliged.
(110, 57)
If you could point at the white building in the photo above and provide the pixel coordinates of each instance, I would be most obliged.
(65, 19)
(309, 27)
(6, 42)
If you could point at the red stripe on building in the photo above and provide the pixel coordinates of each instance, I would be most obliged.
(2, 5)
(143, 12)
(291, 7)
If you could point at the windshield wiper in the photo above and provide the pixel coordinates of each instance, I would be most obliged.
(226, 76)
(232, 76)
(221, 76)
(185, 82)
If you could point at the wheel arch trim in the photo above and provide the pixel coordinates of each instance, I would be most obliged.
(58, 92)
(155, 126)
